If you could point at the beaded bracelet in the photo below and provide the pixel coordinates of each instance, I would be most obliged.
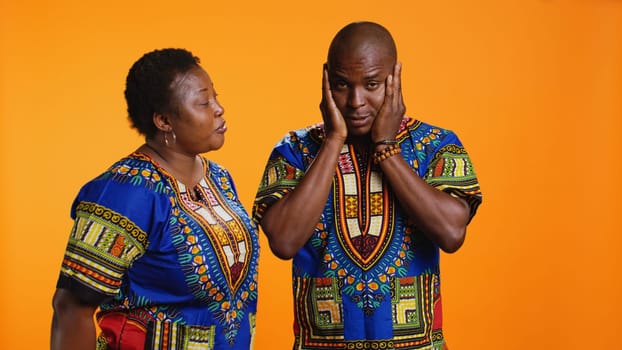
(386, 153)
(386, 142)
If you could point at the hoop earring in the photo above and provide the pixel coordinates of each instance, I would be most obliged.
(166, 138)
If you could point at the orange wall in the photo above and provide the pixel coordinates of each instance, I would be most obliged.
(533, 88)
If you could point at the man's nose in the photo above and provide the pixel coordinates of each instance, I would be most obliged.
(356, 98)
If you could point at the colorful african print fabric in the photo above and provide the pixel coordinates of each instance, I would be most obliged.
(367, 279)
(169, 270)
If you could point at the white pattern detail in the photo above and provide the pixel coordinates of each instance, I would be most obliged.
(222, 213)
(375, 226)
(229, 254)
(242, 249)
(207, 216)
(375, 184)
(353, 227)
(349, 184)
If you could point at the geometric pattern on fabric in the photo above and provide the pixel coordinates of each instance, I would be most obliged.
(368, 277)
(329, 310)
(412, 310)
(172, 336)
(141, 331)
(452, 171)
(232, 259)
(287, 177)
(180, 270)
(119, 331)
(319, 316)
(365, 224)
(319, 322)
(101, 246)
(230, 238)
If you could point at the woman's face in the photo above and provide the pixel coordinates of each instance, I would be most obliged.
(198, 125)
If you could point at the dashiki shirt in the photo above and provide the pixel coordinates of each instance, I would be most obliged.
(168, 271)
(367, 278)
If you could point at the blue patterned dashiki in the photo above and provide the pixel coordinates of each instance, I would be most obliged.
(180, 273)
(367, 279)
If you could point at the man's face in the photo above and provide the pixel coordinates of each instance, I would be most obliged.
(357, 81)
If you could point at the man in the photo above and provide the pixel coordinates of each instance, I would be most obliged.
(363, 202)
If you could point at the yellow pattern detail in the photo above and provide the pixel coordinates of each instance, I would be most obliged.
(376, 203)
(351, 207)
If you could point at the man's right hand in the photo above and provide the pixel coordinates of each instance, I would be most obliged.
(334, 124)
(291, 221)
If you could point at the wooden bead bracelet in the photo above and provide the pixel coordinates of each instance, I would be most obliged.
(386, 153)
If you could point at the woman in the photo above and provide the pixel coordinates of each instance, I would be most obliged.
(160, 242)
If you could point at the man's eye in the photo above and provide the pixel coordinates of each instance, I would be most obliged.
(340, 85)
(373, 85)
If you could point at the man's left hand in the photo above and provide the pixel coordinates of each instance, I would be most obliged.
(390, 116)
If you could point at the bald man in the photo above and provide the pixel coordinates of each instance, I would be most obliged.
(363, 202)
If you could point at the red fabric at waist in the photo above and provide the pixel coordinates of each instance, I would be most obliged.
(123, 331)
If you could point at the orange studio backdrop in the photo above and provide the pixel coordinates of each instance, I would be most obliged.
(532, 87)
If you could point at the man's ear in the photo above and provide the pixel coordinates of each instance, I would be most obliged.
(162, 122)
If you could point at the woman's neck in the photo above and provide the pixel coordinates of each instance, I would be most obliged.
(186, 169)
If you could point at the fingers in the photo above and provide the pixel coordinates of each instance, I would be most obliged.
(396, 85)
(327, 98)
(326, 93)
(325, 84)
(391, 95)
(393, 86)
(397, 77)
(388, 90)
(392, 111)
(333, 120)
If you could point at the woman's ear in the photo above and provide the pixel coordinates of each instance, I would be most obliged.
(162, 122)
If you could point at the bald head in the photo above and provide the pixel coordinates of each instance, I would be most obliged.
(361, 35)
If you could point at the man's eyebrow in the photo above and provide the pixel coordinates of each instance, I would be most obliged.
(372, 75)
(336, 75)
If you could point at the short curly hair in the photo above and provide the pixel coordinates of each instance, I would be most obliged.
(148, 85)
